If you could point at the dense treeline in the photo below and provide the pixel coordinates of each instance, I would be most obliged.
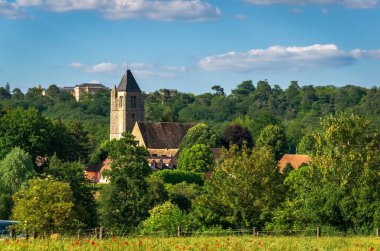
(296, 109)
(43, 154)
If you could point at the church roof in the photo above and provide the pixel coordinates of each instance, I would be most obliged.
(160, 135)
(128, 83)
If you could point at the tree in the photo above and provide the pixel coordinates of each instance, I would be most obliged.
(182, 194)
(78, 142)
(198, 158)
(15, 171)
(340, 188)
(156, 191)
(219, 90)
(5, 93)
(237, 135)
(177, 176)
(199, 134)
(83, 197)
(273, 137)
(17, 94)
(307, 145)
(244, 88)
(164, 218)
(26, 129)
(46, 205)
(242, 191)
(35, 92)
(124, 203)
(52, 91)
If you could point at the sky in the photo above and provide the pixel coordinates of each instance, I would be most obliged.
(189, 45)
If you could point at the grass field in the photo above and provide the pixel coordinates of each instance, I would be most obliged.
(198, 243)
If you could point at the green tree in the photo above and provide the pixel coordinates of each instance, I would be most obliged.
(83, 197)
(340, 188)
(164, 218)
(46, 205)
(244, 88)
(78, 142)
(178, 176)
(242, 191)
(182, 194)
(124, 203)
(156, 191)
(17, 94)
(307, 145)
(198, 158)
(199, 134)
(26, 129)
(218, 90)
(273, 137)
(15, 171)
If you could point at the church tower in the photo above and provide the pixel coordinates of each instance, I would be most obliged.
(127, 106)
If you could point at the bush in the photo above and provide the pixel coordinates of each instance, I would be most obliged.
(178, 176)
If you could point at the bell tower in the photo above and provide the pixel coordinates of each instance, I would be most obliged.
(127, 106)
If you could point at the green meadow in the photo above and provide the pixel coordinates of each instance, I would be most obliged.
(196, 243)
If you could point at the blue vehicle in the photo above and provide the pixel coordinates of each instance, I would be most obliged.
(4, 225)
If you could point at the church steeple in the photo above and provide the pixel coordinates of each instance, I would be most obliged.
(128, 83)
(127, 106)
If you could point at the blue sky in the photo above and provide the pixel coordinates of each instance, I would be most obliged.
(189, 45)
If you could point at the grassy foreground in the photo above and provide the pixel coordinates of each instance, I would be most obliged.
(199, 243)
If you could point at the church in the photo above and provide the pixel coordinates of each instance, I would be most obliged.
(162, 139)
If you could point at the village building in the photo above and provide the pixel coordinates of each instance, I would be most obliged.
(86, 88)
(162, 139)
(296, 160)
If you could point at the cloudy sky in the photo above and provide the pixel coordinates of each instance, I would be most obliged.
(189, 45)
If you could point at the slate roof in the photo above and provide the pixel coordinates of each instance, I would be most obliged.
(93, 85)
(296, 160)
(128, 83)
(160, 135)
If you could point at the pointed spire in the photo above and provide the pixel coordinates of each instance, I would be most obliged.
(128, 83)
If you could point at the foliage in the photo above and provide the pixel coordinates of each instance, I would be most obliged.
(124, 203)
(199, 134)
(164, 218)
(46, 205)
(182, 194)
(273, 137)
(242, 191)
(341, 187)
(235, 134)
(26, 129)
(178, 176)
(156, 191)
(83, 198)
(15, 171)
(198, 159)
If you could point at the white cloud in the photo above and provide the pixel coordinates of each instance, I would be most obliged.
(97, 68)
(285, 58)
(191, 10)
(353, 4)
(141, 70)
(166, 10)
(11, 10)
